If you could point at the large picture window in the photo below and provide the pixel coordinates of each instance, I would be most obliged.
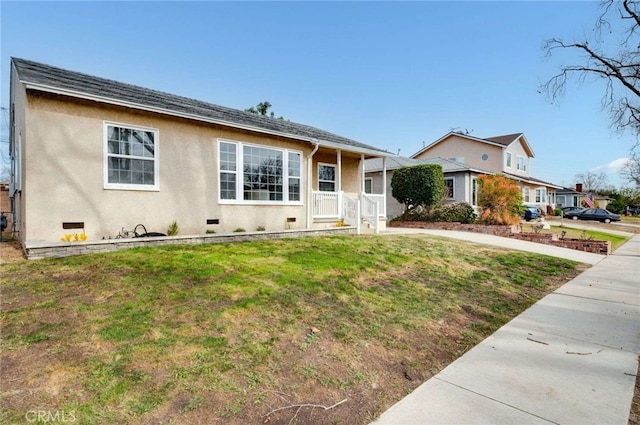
(255, 173)
(131, 157)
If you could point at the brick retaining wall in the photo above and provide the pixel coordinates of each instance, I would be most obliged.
(596, 247)
(504, 231)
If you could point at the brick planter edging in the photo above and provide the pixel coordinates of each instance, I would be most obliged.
(596, 247)
(36, 251)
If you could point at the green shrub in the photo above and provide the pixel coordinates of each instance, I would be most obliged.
(458, 212)
(239, 230)
(418, 186)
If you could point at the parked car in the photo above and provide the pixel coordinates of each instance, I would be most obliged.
(532, 212)
(634, 210)
(566, 210)
(597, 214)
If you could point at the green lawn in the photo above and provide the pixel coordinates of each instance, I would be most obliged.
(230, 333)
(572, 233)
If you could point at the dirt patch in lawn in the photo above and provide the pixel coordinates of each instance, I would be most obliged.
(11, 252)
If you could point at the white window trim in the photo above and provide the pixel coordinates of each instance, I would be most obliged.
(240, 175)
(156, 159)
(368, 179)
(526, 194)
(524, 163)
(474, 191)
(453, 187)
(541, 195)
(509, 160)
(335, 174)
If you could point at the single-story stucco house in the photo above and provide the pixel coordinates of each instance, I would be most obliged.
(94, 155)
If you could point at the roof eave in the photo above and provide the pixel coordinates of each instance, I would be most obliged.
(133, 105)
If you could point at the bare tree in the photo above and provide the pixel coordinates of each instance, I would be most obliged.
(617, 63)
(593, 182)
(631, 170)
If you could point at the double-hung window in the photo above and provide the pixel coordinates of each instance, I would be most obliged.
(255, 174)
(508, 159)
(541, 195)
(131, 157)
(522, 164)
(326, 178)
(526, 194)
(448, 188)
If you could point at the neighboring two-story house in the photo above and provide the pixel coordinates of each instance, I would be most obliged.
(509, 155)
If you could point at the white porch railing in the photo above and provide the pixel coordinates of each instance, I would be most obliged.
(327, 204)
(338, 206)
(382, 205)
(371, 211)
(351, 209)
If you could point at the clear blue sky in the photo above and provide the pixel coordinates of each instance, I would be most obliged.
(389, 74)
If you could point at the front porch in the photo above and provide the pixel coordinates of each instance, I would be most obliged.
(351, 209)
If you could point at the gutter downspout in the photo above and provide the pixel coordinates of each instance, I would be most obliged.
(309, 188)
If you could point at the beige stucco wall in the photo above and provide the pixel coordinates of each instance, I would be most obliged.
(468, 151)
(64, 150)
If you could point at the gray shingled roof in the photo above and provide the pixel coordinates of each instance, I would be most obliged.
(394, 162)
(504, 140)
(35, 73)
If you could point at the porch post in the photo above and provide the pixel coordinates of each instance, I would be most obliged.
(384, 177)
(309, 204)
(339, 171)
(361, 169)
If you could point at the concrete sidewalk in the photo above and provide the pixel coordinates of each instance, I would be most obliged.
(569, 359)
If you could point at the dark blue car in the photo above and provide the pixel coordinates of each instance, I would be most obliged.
(531, 213)
(597, 214)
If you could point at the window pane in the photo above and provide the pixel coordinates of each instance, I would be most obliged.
(227, 186)
(448, 188)
(125, 148)
(327, 186)
(294, 164)
(326, 172)
(294, 189)
(262, 174)
(368, 186)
